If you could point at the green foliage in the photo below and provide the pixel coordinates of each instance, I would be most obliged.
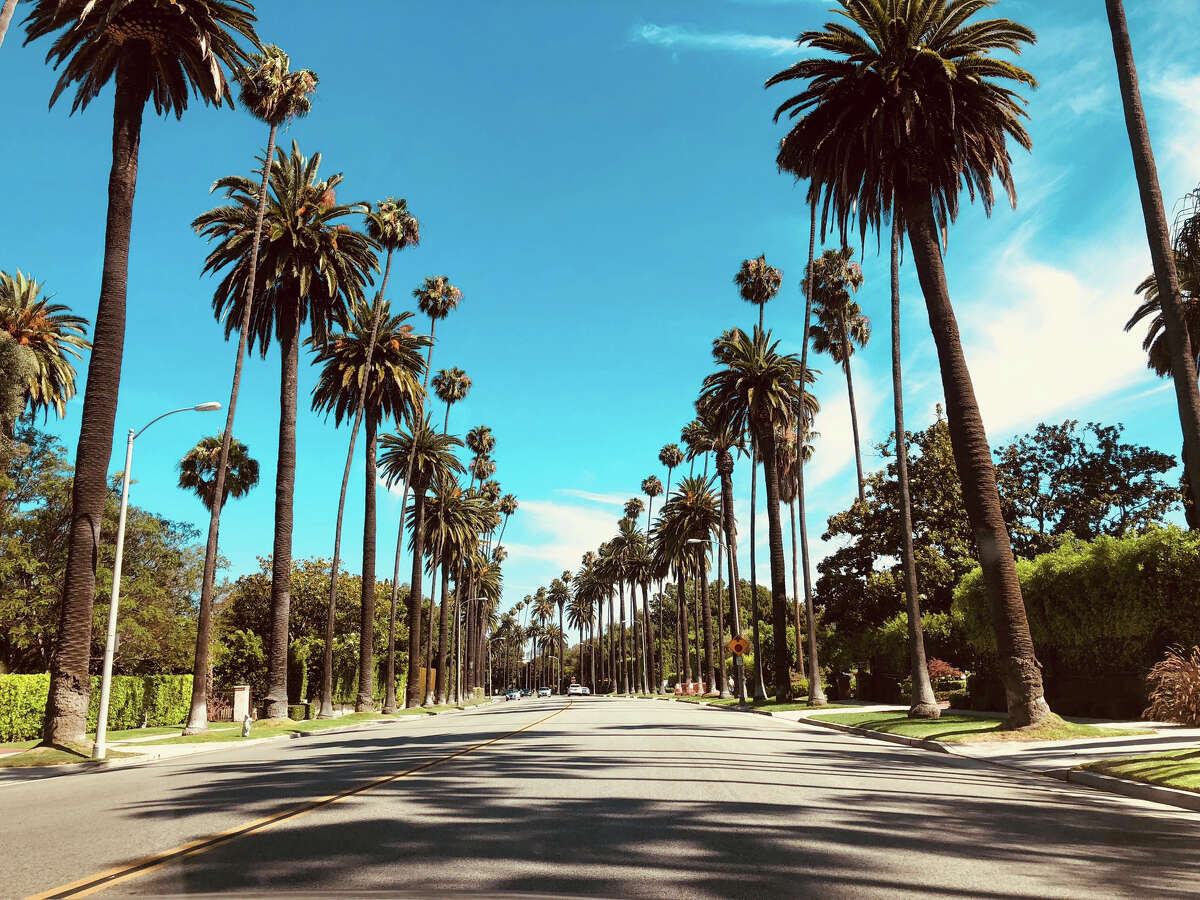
(298, 712)
(240, 659)
(1106, 607)
(134, 702)
(22, 706)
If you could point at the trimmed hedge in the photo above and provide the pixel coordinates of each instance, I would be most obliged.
(134, 701)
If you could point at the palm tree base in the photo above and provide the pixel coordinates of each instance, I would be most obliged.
(189, 730)
(389, 710)
(428, 700)
(364, 704)
(924, 711)
(726, 695)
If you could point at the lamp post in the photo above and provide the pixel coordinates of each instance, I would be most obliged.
(99, 749)
(739, 667)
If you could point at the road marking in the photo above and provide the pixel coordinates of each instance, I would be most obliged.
(127, 871)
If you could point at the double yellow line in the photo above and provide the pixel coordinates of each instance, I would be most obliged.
(140, 867)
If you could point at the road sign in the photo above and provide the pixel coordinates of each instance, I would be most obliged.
(738, 645)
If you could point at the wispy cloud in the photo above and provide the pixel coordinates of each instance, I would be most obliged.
(680, 37)
(592, 497)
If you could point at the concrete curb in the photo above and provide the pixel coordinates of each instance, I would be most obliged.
(920, 743)
(1139, 790)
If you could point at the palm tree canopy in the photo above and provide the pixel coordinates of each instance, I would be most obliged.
(696, 438)
(651, 486)
(1158, 356)
(840, 323)
(270, 91)
(757, 386)
(634, 507)
(437, 297)
(758, 282)
(451, 385)
(670, 456)
(480, 440)
(170, 46)
(306, 259)
(453, 520)
(391, 225)
(790, 449)
(837, 332)
(692, 512)
(198, 470)
(50, 333)
(490, 490)
(394, 383)
(482, 468)
(433, 455)
(908, 99)
(508, 504)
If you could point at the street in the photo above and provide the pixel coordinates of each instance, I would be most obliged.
(596, 797)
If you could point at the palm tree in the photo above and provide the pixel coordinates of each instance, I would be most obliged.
(154, 53)
(758, 388)
(507, 506)
(669, 456)
(425, 456)
(17, 369)
(652, 488)
(840, 325)
(795, 450)
(1174, 314)
(451, 386)
(758, 283)
(198, 468)
(273, 94)
(303, 235)
(50, 333)
(481, 441)
(6, 14)
(372, 367)
(910, 106)
(924, 702)
(559, 594)
(1158, 354)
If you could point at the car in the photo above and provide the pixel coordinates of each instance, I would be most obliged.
(544, 692)
(526, 692)
(587, 691)
(575, 690)
(513, 694)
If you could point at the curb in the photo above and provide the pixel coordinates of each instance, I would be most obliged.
(1136, 789)
(920, 743)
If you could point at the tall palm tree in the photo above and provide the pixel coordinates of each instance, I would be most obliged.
(154, 53)
(840, 326)
(758, 388)
(197, 470)
(758, 283)
(481, 441)
(907, 107)
(372, 369)
(273, 94)
(1174, 313)
(924, 702)
(424, 455)
(669, 456)
(507, 507)
(559, 594)
(651, 487)
(795, 450)
(1158, 354)
(50, 333)
(451, 386)
(303, 234)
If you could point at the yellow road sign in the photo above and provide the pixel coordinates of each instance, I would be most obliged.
(738, 645)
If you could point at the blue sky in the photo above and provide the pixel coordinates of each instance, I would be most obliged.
(591, 176)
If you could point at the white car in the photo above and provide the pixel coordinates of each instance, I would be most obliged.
(575, 690)
(543, 692)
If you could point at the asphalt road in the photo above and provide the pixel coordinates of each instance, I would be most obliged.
(609, 798)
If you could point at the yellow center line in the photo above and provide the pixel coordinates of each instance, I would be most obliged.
(137, 868)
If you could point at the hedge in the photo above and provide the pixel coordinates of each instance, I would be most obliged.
(1101, 613)
(134, 701)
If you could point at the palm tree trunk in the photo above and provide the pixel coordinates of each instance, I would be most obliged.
(816, 690)
(684, 652)
(725, 471)
(285, 486)
(443, 638)
(365, 701)
(710, 671)
(412, 689)
(862, 497)
(1183, 363)
(722, 675)
(6, 14)
(428, 695)
(198, 715)
(759, 686)
(612, 644)
(649, 683)
(70, 686)
(796, 583)
(327, 662)
(698, 632)
(924, 703)
(1019, 667)
(779, 604)
(623, 668)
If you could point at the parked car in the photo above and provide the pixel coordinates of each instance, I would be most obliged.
(544, 692)
(526, 692)
(513, 694)
(587, 691)
(575, 690)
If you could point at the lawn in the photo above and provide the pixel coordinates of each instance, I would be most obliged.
(1177, 769)
(53, 756)
(958, 729)
(798, 703)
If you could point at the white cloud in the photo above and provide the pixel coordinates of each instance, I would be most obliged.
(682, 37)
(605, 499)
(560, 533)
(834, 449)
(1182, 92)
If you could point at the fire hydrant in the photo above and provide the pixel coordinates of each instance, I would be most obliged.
(246, 726)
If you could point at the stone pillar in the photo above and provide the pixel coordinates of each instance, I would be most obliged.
(241, 701)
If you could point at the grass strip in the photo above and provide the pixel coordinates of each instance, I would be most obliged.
(1176, 769)
(959, 729)
(55, 756)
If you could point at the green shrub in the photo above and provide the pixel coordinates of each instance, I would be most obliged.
(168, 699)
(22, 706)
(297, 712)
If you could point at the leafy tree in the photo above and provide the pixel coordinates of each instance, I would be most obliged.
(197, 470)
(151, 52)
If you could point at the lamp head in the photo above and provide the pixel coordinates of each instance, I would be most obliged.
(207, 407)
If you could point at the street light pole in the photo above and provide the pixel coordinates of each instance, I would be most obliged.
(100, 749)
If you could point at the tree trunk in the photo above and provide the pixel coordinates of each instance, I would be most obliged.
(389, 695)
(722, 685)
(412, 689)
(427, 698)
(285, 486)
(783, 680)
(648, 638)
(562, 646)
(6, 14)
(924, 703)
(365, 701)
(862, 496)
(1183, 363)
(198, 716)
(796, 584)
(710, 671)
(623, 668)
(816, 691)
(443, 638)
(612, 645)
(759, 686)
(70, 685)
(1019, 668)
(725, 471)
(685, 666)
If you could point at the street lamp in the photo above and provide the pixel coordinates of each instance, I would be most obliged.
(739, 666)
(99, 749)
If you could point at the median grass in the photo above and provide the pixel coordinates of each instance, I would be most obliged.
(959, 729)
(1177, 769)
(55, 756)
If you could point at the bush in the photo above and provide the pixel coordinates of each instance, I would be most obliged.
(297, 712)
(940, 669)
(1175, 688)
(22, 706)
(168, 699)
(134, 701)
